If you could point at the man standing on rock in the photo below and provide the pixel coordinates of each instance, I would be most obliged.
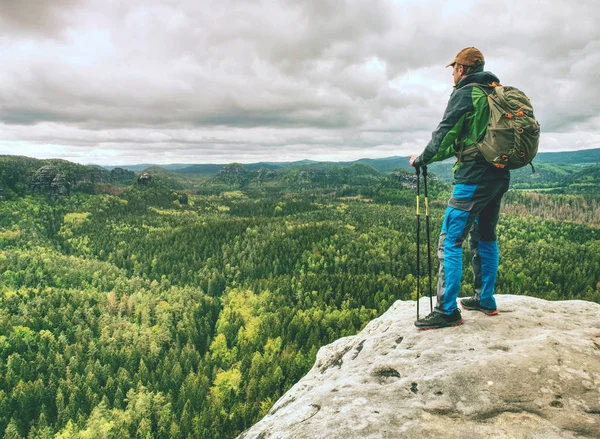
(478, 189)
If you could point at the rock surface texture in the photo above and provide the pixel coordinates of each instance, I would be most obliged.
(533, 371)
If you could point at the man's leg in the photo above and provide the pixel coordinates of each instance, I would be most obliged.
(485, 260)
(488, 249)
(458, 218)
(439, 318)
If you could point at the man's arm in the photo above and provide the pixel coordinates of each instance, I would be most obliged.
(441, 145)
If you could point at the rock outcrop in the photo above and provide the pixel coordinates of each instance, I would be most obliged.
(531, 372)
(50, 180)
(144, 179)
(60, 178)
(234, 173)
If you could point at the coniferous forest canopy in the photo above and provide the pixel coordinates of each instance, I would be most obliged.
(183, 305)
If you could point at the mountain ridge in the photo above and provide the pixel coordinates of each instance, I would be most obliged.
(386, 164)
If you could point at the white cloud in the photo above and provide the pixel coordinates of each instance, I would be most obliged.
(221, 81)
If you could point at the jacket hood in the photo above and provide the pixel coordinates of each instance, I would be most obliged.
(478, 77)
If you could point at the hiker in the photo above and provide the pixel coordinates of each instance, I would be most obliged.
(478, 189)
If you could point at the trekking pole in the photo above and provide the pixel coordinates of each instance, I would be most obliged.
(418, 171)
(428, 239)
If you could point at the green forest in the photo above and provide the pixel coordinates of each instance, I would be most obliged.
(182, 305)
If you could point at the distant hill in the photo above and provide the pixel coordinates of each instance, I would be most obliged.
(570, 157)
(167, 178)
(141, 167)
(386, 165)
(206, 169)
(215, 168)
(324, 176)
(565, 179)
(153, 188)
(333, 174)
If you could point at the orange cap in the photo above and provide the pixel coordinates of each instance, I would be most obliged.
(469, 56)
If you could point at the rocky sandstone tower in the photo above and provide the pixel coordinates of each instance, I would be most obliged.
(531, 372)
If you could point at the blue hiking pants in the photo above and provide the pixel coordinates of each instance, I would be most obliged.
(473, 209)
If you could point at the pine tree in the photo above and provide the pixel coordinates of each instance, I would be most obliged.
(12, 431)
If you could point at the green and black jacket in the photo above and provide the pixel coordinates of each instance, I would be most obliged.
(465, 120)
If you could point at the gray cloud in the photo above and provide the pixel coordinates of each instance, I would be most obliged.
(35, 17)
(185, 79)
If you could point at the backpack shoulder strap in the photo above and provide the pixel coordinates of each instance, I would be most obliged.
(487, 89)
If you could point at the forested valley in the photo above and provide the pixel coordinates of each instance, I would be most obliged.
(180, 305)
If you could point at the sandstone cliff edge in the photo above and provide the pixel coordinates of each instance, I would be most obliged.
(531, 372)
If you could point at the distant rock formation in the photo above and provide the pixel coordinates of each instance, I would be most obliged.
(57, 178)
(409, 179)
(234, 173)
(48, 179)
(263, 174)
(531, 372)
(144, 179)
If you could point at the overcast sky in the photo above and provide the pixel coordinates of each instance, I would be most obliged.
(203, 81)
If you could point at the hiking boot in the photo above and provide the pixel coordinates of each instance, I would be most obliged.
(438, 320)
(472, 304)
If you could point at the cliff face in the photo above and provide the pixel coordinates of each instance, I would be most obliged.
(531, 372)
(21, 176)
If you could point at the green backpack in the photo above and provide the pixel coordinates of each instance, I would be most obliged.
(513, 135)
